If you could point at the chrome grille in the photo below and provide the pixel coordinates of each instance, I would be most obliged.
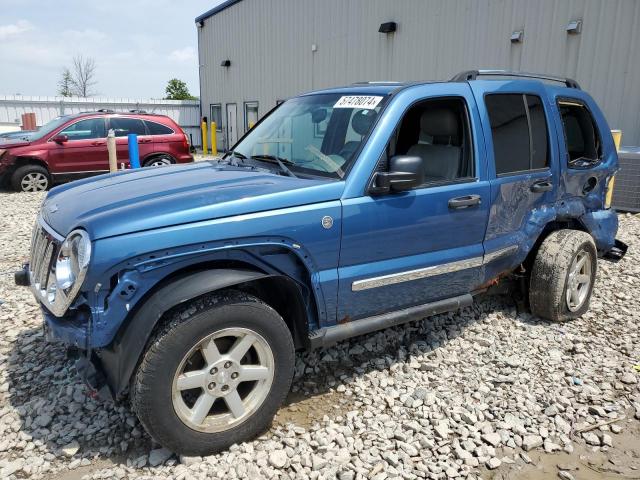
(43, 249)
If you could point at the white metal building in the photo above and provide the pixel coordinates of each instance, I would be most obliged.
(254, 53)
(185, 113)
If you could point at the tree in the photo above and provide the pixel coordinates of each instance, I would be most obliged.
(83, 76)
(177, 90)
(65, 85)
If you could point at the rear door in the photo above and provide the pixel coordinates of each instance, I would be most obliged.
(523, 168)
(123, 126)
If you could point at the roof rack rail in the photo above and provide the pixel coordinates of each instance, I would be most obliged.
(474, 74)
(105, 110)
(137, 110)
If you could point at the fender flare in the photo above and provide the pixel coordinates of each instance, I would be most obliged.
(120, 359)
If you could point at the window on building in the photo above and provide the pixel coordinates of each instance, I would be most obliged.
(158, 129)
(437, 131)
(86, 129)
(519, 132)
(250, 115)
(580, 134)
(216, 116)
(123, 126)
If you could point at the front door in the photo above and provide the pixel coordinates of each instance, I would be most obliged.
(84, 152)
(232, 125)
(523, 168)
(412, 248)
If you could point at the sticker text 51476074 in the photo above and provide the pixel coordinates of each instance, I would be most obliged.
(358, 101)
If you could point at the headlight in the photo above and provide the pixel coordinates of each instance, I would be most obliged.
(73, 259)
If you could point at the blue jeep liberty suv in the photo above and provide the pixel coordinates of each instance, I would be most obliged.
(187, 289)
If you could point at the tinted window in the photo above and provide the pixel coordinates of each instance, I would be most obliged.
(158, 129)
(510, 131)
(125, 126)
(85, 129)
(580, 133)
(539, 146)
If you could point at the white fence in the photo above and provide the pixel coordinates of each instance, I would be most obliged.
(185, 113)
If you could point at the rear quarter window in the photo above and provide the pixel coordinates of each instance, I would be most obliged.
(582, 139)
(158, 128)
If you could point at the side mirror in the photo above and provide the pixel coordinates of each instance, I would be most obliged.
(405, 173)
(60, 139)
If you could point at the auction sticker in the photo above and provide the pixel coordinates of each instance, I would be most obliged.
(358, 101)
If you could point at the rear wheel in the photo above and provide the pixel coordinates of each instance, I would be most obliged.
(563, 275)
(159, 161)
(215, 375)
(30, 178)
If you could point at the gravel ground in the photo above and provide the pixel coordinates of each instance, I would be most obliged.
(465, 394)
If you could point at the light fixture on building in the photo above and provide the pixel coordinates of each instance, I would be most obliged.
(226, 63)
(574, 27)
(516, 37)
(200, 23)
(388, 27)
(314, 47)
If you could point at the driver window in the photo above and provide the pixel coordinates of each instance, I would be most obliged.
(85, 129)
(438, 132)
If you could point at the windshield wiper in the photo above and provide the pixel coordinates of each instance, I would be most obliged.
(282, 162)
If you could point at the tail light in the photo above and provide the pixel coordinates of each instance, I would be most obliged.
(609, 195)
(185, 141)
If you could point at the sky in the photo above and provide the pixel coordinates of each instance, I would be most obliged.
(137, 45)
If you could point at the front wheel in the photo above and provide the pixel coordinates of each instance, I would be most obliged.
(563, 275)
(30, 178)
(215, 375)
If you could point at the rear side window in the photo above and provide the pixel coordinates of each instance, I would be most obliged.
(125, 126)
(519, 132)
(158, 128)
(580, 134)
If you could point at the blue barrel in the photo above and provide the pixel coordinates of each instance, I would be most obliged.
(134, 153)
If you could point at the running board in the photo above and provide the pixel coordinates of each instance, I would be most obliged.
(328, 336)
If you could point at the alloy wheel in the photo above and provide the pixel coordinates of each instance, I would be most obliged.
(579, 281)
(34, 182)
(223, 380)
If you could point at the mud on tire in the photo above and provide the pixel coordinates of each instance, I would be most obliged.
(551, 275)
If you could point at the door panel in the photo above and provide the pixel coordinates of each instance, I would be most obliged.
(232, 125)
(411, 248)
(86, 150)
(518, 199)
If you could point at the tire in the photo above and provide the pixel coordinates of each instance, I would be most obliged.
(165, 406)
(31, 178)
(160, 161)
(556, 270)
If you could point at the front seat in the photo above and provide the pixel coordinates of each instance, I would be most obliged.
(442, 160)
(361, 124)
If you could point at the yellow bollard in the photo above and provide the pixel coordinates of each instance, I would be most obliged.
(617, 138)
(203, 127)
(251, 124)
(214, 139)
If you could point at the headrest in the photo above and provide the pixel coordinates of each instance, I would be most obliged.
(362, 121)
(439, 122)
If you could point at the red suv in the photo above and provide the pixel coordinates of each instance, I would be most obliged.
(75, 146)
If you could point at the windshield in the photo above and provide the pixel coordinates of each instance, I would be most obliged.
(49, 127)
(314, 135)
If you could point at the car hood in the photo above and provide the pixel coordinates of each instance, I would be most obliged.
(148, 198)
(12, 143)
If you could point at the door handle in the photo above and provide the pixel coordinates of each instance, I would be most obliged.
(145, 140)
(464, 202)
(98, 143)
(542, 186)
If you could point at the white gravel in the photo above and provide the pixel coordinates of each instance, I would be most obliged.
(440, 398)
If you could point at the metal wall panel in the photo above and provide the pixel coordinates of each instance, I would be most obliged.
(269, 43)
(185, 113)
